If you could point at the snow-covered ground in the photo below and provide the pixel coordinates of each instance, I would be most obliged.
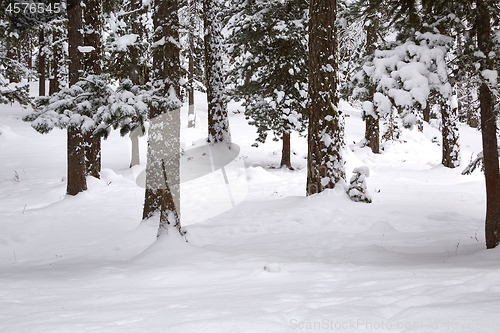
(414, 260)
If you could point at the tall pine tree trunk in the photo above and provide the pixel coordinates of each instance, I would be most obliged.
(163, 167)
(218, 123)
(92, 66)
(75, 144)
(489, 131)
(372, 122)
(41, 62)
(325, 165)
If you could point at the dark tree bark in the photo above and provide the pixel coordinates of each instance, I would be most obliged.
(489, 130)
(218, 123)
(427, 112)
(76, 151)
(285, 151)
(372, 124)
(92, 66)
(57, 57)
(162, 171)
(12, 47)
(41, 62)
(325, 165)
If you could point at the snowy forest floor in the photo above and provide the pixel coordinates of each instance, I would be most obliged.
(414, 260)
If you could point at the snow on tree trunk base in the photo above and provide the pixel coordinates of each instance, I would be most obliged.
(357, 190)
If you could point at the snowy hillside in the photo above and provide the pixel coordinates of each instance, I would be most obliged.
(414, 260)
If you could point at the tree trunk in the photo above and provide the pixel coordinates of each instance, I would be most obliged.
(489, 131)
(92, 66)
(135, 69)
(41, 62)
(92, 155)
(56, 77)
(135, 76)
(285, 152)
(326, 124)
(76, 153)
(450, 134)
(191, 112)
(427, 112)
(218, 123)
(12, 46)
(372, 126)
(372, 133)
(163, 167)
(135, 158)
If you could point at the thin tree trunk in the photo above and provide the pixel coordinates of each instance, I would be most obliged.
(489, 132)
(135, 158)
(41, 63)
(135, 76)
(76, 153)
(427, 112)
(285, 151)
(450, 134)
(372, 133)
(372, 126)
(135, 70)
(325, 167)
(191, 112)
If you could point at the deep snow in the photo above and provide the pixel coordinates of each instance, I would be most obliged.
(414, 260)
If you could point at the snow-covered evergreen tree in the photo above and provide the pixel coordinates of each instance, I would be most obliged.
(270, 79)
(357, 190)
(404, 76)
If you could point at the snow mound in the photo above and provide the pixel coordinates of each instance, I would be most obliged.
(259, 175)
(6, 133)
(380, 227)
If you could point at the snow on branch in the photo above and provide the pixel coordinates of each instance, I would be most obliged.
(477, 162)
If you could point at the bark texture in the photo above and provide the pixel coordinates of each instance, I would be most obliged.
(489, 131)
(286, 160)
(326, 123)
(372, 122)
(92, 66)
(450, 133)
(75, 144)
(218, 123)
(41, 62)
(162, 171)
